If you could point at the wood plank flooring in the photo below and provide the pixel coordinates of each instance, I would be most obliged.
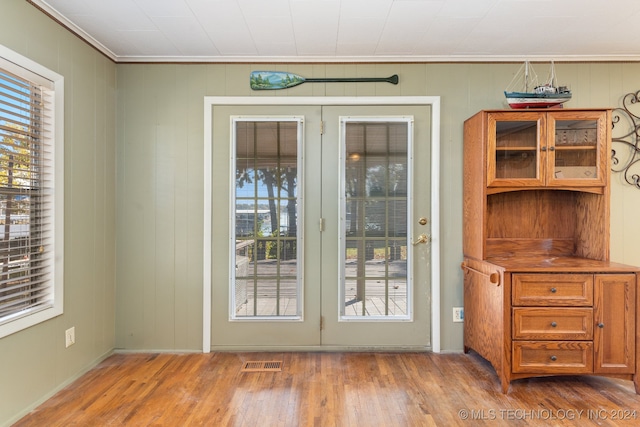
(328, 390)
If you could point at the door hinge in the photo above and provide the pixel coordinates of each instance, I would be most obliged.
(321, 224)
(321, 322)
(321, 127)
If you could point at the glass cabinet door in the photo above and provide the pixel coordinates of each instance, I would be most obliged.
(514, 149)
(575, 148)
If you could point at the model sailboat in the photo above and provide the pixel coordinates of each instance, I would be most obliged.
(535, 95)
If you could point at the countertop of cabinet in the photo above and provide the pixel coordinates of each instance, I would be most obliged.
(561, 264)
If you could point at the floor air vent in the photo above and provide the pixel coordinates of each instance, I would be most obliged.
(262, 366)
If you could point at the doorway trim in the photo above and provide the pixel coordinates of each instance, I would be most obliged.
(433, 101)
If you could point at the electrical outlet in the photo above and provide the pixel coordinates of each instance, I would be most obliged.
(70, 336)
(458, 314)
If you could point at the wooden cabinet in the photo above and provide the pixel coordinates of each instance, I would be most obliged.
(549, 149)
(595, 327)
(541, 296)
(615, 319)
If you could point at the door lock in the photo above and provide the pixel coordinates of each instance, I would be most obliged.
(422, 221)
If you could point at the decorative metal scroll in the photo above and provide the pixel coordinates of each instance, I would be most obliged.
(625, 150)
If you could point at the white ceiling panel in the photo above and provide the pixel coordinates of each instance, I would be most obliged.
(278, 29)
(466, 9)
(153, 43)
(226, 15)
(237, 46)
(269, 49)
(315, 26)
(406, 25)
(225, 25)
(365, 8)
(353, 30)
(354, 50)
(130, 16)
(186, 34)
(167, 8)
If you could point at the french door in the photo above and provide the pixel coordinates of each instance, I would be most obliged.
(320, 227)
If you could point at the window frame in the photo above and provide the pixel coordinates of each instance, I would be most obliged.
(30, 70)
(342, 226)
(298, 316)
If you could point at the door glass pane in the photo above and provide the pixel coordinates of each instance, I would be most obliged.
(516, 149)
(575, 154)
(374, 221)
(266, 275)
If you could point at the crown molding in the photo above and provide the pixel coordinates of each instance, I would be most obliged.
(377, 59)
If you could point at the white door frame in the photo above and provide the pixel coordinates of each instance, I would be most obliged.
(434, 101)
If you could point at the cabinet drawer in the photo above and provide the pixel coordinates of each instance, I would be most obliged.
(553, 323)
(552, 357)
(573, 290)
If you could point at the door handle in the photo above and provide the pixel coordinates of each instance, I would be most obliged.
(423, 238)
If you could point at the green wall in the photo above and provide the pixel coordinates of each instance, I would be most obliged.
(160, 156)
(134, 190)
(34, 362)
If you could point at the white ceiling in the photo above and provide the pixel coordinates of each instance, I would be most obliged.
(354, 30)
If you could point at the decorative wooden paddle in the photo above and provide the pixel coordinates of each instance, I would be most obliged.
(271, 80)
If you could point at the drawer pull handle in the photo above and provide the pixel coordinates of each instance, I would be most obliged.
(600, 325)
(553, 358)
(554, 324)
(554, 290)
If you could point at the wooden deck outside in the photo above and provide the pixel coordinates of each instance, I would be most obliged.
(376, 302)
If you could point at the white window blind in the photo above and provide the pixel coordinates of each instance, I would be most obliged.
(27, 195)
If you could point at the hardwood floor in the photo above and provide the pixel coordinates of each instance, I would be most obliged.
(328, 389)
